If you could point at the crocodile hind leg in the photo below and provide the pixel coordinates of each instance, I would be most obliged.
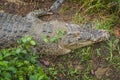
(33, 16)
(56, 5)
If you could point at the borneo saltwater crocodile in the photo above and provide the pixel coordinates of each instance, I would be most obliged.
(13, 27)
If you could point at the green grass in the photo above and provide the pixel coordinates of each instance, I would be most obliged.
(78, 18)
(82, 68)
(114, 53)
(95, 6)
(63, 69)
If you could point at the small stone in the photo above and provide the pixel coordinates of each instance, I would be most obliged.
(100, 72)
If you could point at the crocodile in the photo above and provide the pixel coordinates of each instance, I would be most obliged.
(13, 27)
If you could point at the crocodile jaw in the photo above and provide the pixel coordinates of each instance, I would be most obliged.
(65, 50)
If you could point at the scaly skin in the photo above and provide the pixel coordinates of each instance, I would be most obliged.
(13, 27)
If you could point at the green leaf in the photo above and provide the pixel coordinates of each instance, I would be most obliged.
(21, 78)
(26, 62)
(40, 71)
(44, 38)
(12, 69)
(31, 68)
(33, 77)
(1, 57)
(19, 64)
(54, 39)
(29, 38)
(41, 77)
(18, 50)
(32, 43)
(7, 76)
(60, 33)
(24, 51)
(3, 52)
(4, 63)
(19, 41)
(7, 54)
(24, 40)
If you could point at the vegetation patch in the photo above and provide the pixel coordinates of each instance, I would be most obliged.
(20, 63)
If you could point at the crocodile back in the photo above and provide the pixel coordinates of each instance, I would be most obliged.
(12, 27)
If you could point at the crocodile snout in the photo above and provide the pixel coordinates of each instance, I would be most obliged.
(84, 37)
(101, 35)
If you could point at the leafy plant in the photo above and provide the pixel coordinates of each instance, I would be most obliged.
(19, 63)
(52, 71)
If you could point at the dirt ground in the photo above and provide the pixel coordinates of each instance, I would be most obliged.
(100, 70)
(22, 7)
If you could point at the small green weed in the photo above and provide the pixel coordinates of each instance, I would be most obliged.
(98, 52)
(105, 23)
(54, 39)
(84, 54)
(114, 53)
(78, 18)
(52, 72)
(86, 73)
(20, 63)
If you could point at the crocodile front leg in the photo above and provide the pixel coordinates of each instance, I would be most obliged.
(56, 5)
(33, 16)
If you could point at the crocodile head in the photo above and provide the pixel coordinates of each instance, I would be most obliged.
(75, 36)
(78, 36)
(81, 37)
